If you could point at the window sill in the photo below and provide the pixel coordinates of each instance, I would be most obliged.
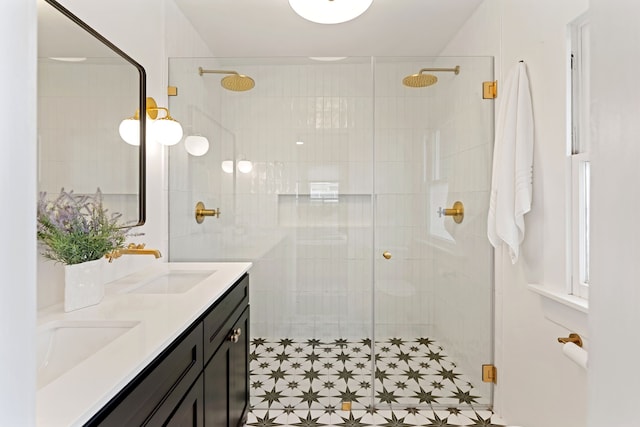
(568, 311)
(570, 301)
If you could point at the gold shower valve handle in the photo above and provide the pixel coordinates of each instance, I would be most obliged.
(202, 212)
(386, 255)
(457, 212)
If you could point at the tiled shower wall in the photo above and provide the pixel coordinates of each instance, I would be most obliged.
(96, 95)
(315, 253)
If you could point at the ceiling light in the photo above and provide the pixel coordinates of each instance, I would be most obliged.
(330, 11)
(327, 58)
(68, 58)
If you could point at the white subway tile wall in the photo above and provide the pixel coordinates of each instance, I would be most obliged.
(398, 152)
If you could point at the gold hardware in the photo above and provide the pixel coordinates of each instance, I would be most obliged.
(423, 80)
(152, 108)
(489, 374)
(201, 212)
(457, 212)
(234, 81)
(172, 91)
(346, 406)
(386, 254)
(490, 90)
(132, 249)
(574, 338)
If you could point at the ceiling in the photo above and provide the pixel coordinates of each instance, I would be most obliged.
(252, 28)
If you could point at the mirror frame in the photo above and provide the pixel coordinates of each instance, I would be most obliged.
(142, 105)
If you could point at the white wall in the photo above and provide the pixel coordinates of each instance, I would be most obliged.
(615, 296)
(537, 386)
(17, 216)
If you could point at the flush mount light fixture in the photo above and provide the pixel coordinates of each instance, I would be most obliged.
(330, 11)
(69, 58)
(327, 58)
(164, 130)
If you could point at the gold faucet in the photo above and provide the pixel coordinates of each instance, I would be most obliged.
(132, 249)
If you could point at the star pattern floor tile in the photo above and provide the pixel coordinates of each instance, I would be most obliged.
(414, 383)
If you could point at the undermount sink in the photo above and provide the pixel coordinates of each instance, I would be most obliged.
(173, 281)
(63, 344)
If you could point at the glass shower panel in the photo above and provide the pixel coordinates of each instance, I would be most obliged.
(433, 282)
(302, 214)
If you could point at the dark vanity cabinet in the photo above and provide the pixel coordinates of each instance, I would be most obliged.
(201, 379)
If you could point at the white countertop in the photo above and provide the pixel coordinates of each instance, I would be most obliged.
(74, 397)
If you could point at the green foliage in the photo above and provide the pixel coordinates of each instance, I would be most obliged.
(77, 228)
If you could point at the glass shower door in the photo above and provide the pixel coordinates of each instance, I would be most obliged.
(433, 285)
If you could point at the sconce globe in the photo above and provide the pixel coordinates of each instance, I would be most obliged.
(196, 145)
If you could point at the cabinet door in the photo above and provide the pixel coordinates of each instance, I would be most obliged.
(226, 380)
(239, 372)
(216, 399)
(190, 412)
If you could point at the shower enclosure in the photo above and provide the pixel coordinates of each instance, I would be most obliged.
(339, 183)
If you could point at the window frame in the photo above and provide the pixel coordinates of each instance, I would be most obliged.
(579, 155)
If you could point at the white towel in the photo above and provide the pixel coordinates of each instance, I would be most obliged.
(511, 181)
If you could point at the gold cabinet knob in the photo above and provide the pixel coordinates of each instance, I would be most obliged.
(386, 254)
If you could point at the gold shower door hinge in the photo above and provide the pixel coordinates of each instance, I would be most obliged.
(490, 90)
(172, 90)
(489, 374)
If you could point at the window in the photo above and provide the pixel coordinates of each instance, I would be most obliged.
(578, 151)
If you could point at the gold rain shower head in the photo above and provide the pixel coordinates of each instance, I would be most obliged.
(234, 81)
(424, 80)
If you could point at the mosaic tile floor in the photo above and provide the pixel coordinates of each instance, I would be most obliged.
(303, 383)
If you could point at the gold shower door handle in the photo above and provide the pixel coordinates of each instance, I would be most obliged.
(201, 212)
(386, 254)
(457, 212)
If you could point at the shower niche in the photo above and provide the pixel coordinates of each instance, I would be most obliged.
(356, 280)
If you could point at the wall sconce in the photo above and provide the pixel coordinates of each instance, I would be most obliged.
(196, 145)
(329, 11)
(227, 166)
(164, 130)
(243, 165)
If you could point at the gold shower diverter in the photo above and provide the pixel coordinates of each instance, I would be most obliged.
(457, 212)
(202, 212)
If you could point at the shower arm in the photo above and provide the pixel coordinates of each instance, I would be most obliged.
(202, 71)
(455, 70)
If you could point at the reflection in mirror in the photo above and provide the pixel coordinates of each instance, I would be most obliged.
(86, 86)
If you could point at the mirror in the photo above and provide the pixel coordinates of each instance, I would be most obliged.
(86, 87)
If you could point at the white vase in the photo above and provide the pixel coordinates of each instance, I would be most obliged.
(83, 284)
